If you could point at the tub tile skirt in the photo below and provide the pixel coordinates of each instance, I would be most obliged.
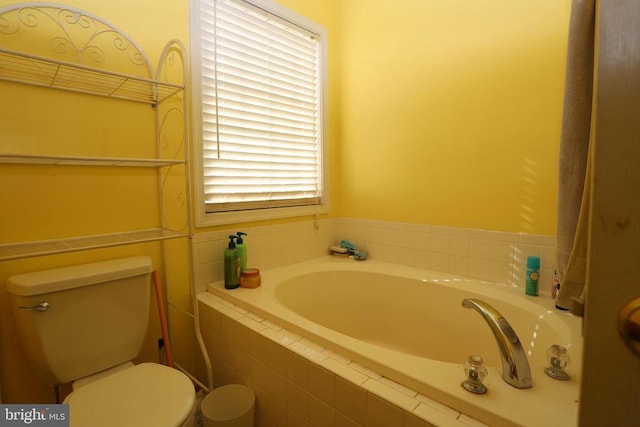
(299, 383)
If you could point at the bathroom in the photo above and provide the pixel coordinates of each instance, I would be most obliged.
(460, 103)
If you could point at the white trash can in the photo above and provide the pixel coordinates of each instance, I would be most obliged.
(231, 405)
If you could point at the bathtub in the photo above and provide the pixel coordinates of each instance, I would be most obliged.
(408, 325)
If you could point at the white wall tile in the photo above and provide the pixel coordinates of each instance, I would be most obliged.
(322, 384)
(480, 248)
(440, 243)
(502, 251)
(298, 370)
(524, 250)
(421, 241)
(501, 236)
(479, 269)
(519, 275)
(439, 261)
(459, 265)
(472, 233)
(277, 411)
(351, 400)
(321, 414)
(537, 239)
(501, 272)
(420, 259)
(298, 401)
(344, 421)
(442, 230)
(392, 254)
(459, 246)
(277, 385)
(380, 413)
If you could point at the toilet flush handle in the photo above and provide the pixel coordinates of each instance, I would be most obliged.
(43, 306)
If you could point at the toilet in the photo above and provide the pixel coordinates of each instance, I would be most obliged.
(85, 324)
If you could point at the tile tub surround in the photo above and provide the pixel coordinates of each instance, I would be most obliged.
(478, 254)
(299, 383)
(432, 374)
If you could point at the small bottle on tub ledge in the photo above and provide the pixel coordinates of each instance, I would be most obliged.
(533, 274)
(347, 249)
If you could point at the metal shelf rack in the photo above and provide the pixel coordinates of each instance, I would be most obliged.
(82, 53)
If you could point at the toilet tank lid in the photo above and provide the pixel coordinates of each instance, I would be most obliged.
(75, 276)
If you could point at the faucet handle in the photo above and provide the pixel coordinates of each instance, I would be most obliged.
(558, 358)
(476, 373)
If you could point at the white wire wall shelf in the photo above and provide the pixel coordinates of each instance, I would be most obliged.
(13, 158)
(50, 73)
(19, 250)
(59, 47)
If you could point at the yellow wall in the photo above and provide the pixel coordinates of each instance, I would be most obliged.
(440, 112)
(450, 111)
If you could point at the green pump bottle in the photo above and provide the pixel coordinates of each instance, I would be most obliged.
(242, 250)
(231, 265)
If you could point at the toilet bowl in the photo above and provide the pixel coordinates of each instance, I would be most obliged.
(147, 394)
(85, 324)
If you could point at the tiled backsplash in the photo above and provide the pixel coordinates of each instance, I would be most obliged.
(479, 254)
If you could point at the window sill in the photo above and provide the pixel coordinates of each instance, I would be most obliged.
(222, 218)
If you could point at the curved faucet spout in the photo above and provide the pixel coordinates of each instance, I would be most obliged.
(515, 366)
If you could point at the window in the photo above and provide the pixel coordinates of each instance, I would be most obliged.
(258, 79)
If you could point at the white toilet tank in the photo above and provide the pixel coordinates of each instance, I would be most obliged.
(79, 320)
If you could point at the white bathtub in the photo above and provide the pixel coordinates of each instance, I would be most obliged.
(409, 325)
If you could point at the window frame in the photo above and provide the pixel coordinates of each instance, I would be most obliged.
(204, 219)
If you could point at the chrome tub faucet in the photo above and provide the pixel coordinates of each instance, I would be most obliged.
(515, 366)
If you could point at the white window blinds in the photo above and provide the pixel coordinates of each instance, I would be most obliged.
(261, 112)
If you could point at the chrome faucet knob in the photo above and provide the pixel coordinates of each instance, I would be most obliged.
(476, 373)
(558, 358)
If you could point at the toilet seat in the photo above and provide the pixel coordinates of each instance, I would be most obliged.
(148, 394)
